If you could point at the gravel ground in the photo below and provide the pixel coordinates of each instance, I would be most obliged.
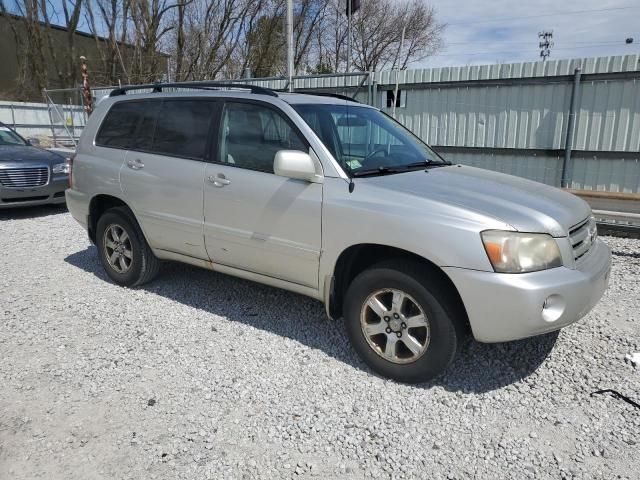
(200, 375)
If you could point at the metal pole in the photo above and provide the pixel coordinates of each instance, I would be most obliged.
(348, 36)
(395, 93)
(53, 129)
(374, 88)
(571, 123)
(73, 125)
(290, 43)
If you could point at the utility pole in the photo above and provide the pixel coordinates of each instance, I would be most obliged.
(395, 92)
(290, 44)
(546, 43)
(352, 7)
(349, 12)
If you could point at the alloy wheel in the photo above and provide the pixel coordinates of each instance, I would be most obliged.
(117, 248)
(395, 326)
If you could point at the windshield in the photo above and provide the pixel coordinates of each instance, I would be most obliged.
(8, 137)
(366, 141)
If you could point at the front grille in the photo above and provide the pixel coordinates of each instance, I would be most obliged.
(24, 177)
(582, 237)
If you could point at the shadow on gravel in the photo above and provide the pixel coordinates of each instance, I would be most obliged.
(482, 367)
(479, 367)
(22, 213)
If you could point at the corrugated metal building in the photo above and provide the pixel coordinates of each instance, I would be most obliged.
(513, 118)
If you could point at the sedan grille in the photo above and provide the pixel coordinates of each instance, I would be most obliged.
(582, 237)
(24, 177)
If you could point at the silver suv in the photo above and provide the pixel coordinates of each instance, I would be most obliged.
(335, 200)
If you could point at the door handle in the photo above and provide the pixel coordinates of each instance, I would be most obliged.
(135, 164)
(218, 180)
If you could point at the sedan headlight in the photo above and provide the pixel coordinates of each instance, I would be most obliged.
(514, 252)
(60, 168)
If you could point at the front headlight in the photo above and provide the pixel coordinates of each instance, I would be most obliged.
(514, 252)
(60, 168)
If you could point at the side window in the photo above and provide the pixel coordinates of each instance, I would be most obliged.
(148, 115)
(182, 128)
(118, 129)
(252, 134)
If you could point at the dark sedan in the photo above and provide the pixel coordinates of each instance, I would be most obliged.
(29, 175)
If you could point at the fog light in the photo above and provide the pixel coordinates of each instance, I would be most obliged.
(553, 308)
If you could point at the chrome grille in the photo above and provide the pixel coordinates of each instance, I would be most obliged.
(24, 177)
(582, 237)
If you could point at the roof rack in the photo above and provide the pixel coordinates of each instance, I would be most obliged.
(329, 94)
(205, 85)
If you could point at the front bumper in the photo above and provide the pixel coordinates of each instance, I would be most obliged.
(51, 193)
(503, 307)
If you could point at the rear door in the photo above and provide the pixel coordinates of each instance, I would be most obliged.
(163, 172)
(255, 220)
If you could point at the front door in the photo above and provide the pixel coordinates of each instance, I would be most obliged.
(255, 220)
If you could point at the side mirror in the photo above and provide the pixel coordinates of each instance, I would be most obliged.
(296, 164)
(34, 141)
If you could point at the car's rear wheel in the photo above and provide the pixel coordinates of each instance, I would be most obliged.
(123, 250)
(401, 322)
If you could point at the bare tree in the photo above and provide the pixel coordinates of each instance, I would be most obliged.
(377, 33)
(308, 18)
(331, 46)
(107, 20)
(64, 59)
(150, 26)
(29, 38)
(209, 39)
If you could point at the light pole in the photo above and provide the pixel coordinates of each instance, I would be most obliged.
(349, 36)
(352, 7)
(290, 43)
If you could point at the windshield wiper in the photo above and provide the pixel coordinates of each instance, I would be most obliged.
(387, 170)
(378, 171)
(427, 163)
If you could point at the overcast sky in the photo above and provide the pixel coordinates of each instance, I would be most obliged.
(482, 31)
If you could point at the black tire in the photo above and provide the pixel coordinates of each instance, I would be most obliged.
(444, 316)
(144, 265)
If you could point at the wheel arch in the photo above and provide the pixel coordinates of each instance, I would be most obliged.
(97, 206)
(357, 258)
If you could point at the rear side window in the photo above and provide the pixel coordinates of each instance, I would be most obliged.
(118, 129)
(178, 128)
(182, 128)
(147, 118)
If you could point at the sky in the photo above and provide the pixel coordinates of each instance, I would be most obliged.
(505, 31)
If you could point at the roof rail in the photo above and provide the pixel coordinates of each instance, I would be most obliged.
(204, 85)
(329, 94)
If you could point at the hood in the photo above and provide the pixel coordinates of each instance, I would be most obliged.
(526, 205)
(22, 155)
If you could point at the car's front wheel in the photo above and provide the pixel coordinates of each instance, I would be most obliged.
(123, 250)
(401, 322)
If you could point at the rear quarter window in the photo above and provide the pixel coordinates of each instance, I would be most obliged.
(118, 129)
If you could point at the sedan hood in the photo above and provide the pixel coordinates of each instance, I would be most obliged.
(20, 155)
(526, 205)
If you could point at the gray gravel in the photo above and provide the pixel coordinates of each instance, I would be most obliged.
(199, 375)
